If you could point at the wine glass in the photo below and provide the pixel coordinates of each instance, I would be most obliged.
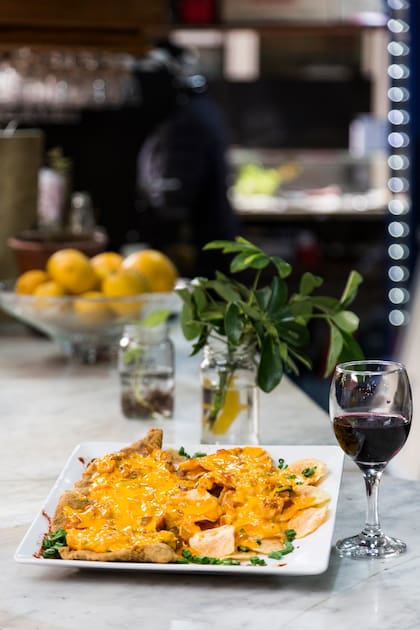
(371, 409)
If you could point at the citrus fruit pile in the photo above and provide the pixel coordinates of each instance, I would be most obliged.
(94, 282)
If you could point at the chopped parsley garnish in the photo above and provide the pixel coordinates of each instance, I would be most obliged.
(308, 472)
(256, 561)
(52, 542)
(290, 534)
(290, 476)
(184, 453)
(187, 557)
(287, 547)
(282, 464)
(243, 548)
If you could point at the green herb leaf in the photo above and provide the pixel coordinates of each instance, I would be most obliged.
(234, 324)
(155, 318)
(284, 269)
(308, 472)
(263, 314)
(270, 368)
(287, 548)
(190, 328)
(309, 282)
(335, 348)
(346, 320)
(278, 296)
(52, 542)
(187, 556)
(256, 561)
(350, 290)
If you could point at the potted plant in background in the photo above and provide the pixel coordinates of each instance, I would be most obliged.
(253, 333)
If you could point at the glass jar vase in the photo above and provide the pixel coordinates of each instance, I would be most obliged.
(147, 372)
(229, 395)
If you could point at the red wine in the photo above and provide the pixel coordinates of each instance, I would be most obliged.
(371, 438)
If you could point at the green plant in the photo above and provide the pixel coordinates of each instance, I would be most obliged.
(265, 315)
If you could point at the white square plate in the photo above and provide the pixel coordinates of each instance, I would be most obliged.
(311, 554)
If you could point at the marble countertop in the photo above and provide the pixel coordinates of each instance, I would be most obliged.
(49, 404)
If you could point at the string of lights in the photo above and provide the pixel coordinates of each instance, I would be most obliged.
(399, 206)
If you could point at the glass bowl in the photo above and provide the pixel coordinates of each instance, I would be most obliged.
(84, 328)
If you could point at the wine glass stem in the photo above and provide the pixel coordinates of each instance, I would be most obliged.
(372, 480)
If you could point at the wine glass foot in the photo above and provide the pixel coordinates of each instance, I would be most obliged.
(362, 546)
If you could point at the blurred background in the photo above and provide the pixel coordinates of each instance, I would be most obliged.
(311, 121)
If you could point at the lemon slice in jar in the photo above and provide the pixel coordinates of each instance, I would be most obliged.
(227, 415)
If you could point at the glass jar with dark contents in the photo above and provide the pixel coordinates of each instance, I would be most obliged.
(147, 372)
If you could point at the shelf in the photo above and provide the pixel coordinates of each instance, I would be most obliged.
(285, 28)
(81, 23)
(357, 207)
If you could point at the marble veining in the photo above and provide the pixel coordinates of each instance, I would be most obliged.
(48, 405)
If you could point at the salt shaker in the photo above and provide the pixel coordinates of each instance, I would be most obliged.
(147, 372)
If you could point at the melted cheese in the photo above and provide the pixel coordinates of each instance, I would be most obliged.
(133, 500)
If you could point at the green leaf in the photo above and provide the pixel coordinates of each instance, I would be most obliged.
(351, 349)
(300, 308)
(199, 345)
(346, 320)
(200, 298)
(185, 295)
(263, 297)
(278, 295)
(335, 348)
(325, 304)
(293, 333)
(238, 245)
(233, 324)
(302, 358)
(284, 269)
(270, 368)
(225, 290)
(247, 260)
(190, 328)
(309, 282)
(350, 290)
(253, 312)
(156, 318)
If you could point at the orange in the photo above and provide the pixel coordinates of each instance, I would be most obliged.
(29, 280)
(106, 262)
(156, 267)
(125, 283)
(72, 270)
(50, 289)
(92, 307)
(46, 294)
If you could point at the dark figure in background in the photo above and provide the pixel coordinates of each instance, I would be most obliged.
(182, 171)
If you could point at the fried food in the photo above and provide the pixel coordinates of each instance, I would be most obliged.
(149, 504)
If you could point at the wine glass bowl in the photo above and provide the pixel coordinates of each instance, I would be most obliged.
(371, 410)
